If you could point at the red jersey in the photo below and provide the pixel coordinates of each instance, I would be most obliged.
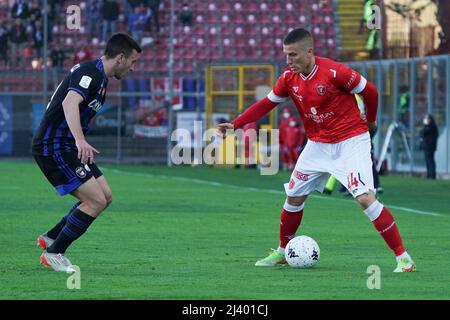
(324, 99)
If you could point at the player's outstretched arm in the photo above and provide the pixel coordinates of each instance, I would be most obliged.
(255, 112)
(72, 114)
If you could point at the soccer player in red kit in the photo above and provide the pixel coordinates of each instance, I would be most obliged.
(338, 140)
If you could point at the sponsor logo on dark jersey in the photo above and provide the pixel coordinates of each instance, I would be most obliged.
(95, 105)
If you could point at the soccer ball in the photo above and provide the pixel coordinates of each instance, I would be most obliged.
(302, 252)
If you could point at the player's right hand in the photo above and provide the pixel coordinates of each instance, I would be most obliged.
(85, 151)
(222, 128)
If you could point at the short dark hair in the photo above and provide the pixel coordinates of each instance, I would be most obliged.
(297, 35)
(121, 43)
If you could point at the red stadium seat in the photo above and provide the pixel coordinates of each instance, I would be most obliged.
(250, 6)
(237, 17)
(226, 30)
(316, 19)
(275, 7)
(252, 30)
(289, 19)
(224, 6)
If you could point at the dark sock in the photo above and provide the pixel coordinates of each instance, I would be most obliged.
(53, 233)
(77, 224)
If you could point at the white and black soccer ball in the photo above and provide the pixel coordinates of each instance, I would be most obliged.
(302, 252)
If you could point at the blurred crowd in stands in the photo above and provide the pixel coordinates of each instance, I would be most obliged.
(22, 29)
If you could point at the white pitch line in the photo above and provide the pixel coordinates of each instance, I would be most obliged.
(219, 184)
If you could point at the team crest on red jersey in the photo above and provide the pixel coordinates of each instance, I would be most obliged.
(321, 89)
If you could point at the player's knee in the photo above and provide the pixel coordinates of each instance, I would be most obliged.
(108, 197)
(98, 203)
(295, 201)
(366, 199)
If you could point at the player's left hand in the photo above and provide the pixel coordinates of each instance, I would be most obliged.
(222, 128)
(85, 151)
(372, 126)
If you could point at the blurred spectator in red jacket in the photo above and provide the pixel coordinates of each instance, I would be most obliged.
(250, 140)
(282, 126)
(83, 54)
(18, 39)
(294, 140)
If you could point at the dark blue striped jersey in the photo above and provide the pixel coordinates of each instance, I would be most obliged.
(53, 135)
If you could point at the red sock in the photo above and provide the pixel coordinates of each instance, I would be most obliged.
(289, 223)
(387, 228)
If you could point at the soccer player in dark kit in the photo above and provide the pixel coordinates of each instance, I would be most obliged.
(62, 152)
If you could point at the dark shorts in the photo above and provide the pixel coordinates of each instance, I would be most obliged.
(66, 172)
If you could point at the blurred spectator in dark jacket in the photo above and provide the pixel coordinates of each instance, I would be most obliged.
(110, 14)
(38, 37)
(185, 15)
(93, 18)
(154, 6)
(20, 9)
(52, 18)
(57, 57)
(4, 44)
(428, 143)
(57, 6)
(130, 5)
(35, 12)
(18, 39)
(137, 22)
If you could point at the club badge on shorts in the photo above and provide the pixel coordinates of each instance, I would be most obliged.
(81, 172)
(291, 184)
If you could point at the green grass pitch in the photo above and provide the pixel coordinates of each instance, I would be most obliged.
(195, 233)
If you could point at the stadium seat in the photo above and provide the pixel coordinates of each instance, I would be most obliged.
(275, 7)
(250, 7)
(237, 17)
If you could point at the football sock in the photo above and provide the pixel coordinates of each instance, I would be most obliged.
(387, 228)
(404, 255)
(77, 224)
(290, 220)
(53, 233)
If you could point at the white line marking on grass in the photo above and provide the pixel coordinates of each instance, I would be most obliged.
(219, 184)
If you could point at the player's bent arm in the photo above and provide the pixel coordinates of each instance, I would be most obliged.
(352, 82)
(370, 98)
(72, 114)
